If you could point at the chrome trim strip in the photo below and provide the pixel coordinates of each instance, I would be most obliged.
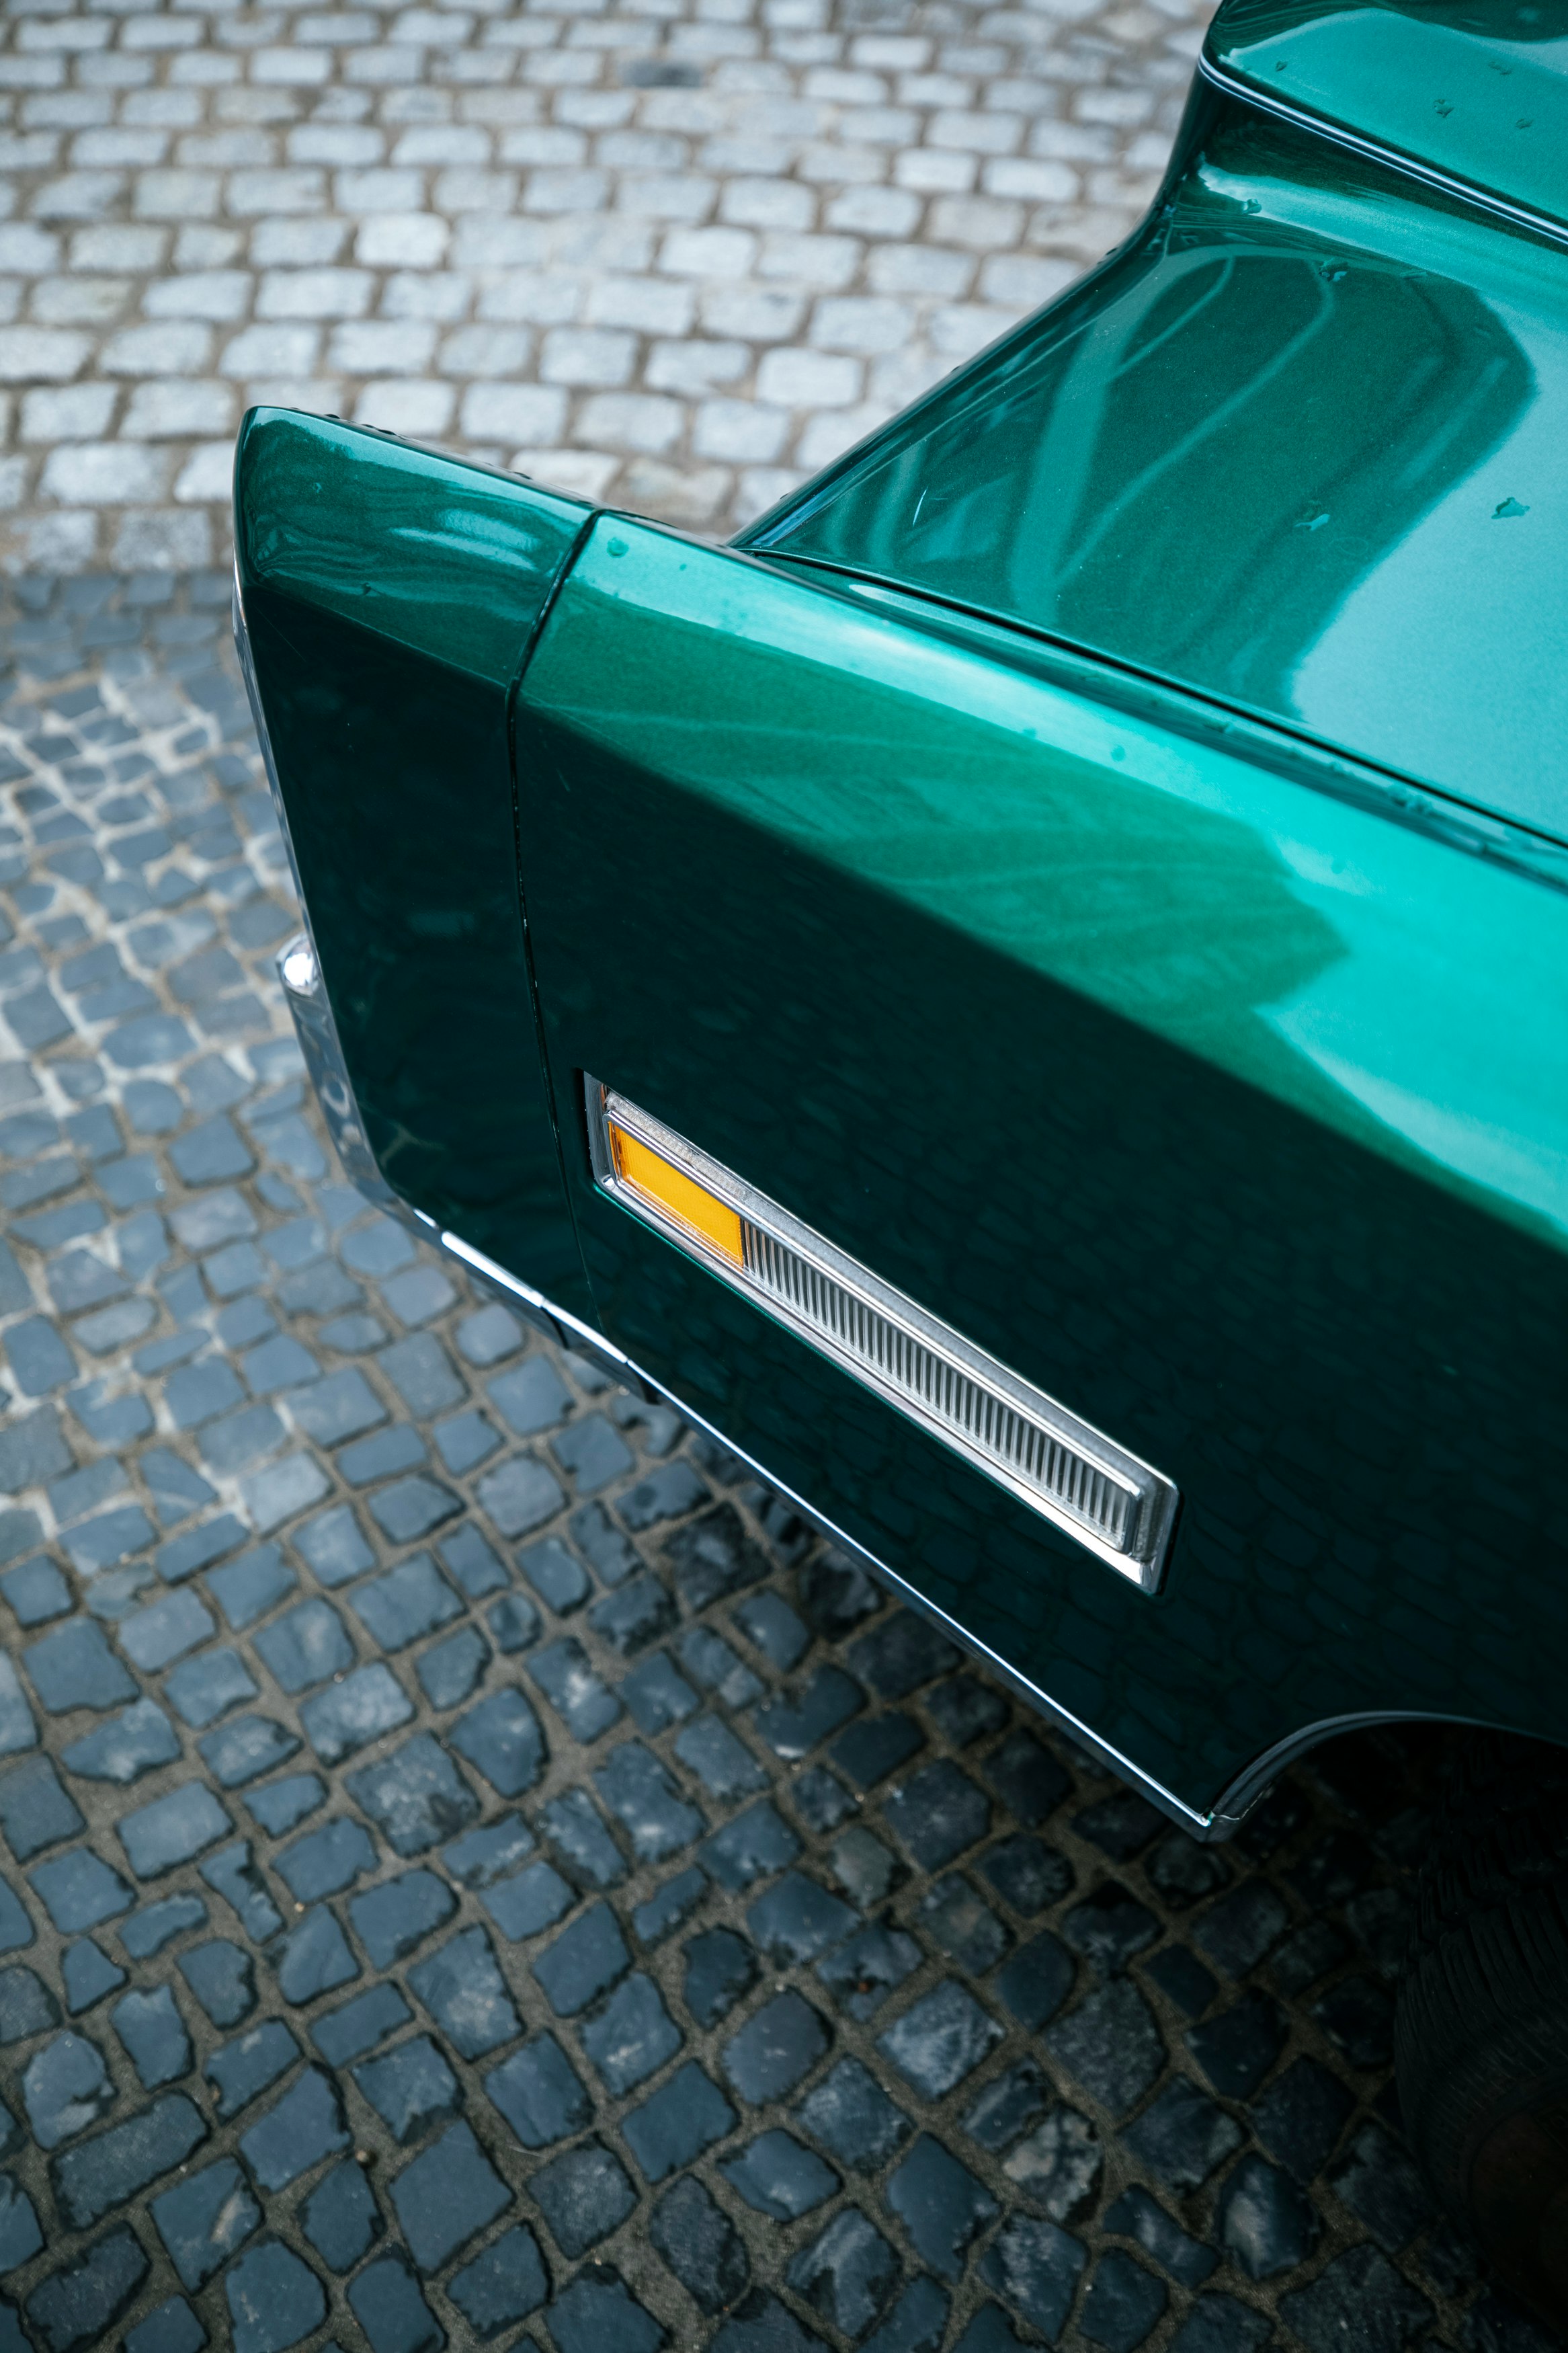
(1200, 1826)
(1107, 1499)
(569, 1329)
(1221, 1822)
(1323, 126)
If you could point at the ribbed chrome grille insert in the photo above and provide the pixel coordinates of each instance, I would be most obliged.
(1061, 1466)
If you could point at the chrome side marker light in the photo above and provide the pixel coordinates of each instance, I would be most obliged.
(1060, 1466)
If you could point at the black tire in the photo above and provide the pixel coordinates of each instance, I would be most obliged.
(1481, 2032)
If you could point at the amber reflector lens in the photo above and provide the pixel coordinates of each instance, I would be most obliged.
(678, 1195)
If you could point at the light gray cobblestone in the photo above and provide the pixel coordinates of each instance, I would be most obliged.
(205, 206)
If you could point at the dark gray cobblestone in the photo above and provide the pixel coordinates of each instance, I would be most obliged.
(556, 1902)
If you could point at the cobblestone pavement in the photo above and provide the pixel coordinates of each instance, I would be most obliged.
(669, 253)
(475, 1868)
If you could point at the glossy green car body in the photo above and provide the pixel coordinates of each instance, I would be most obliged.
(1095, 855)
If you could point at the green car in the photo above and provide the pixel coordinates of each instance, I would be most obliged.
(1030, 991)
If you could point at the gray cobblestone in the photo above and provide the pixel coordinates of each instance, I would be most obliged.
(617, 1922)
(214, 206)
